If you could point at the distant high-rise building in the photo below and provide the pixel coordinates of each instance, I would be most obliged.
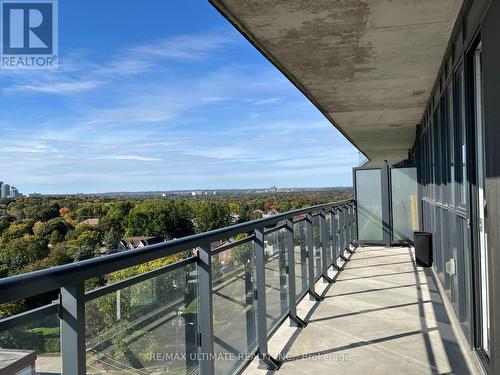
(1, 184)
(5, 191)
(14, 193)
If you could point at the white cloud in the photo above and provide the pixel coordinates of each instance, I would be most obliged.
(267, 101)
(79, 74)
(127, 157)
(224, 153)
(186, 46)
(214, 99)
(56, 87)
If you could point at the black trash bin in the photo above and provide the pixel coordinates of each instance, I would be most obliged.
(423, 248)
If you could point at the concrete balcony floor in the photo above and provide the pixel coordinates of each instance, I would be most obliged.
(383, 315)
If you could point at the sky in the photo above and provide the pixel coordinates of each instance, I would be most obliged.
(161, 95)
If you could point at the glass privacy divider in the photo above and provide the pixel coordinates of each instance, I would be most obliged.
(369, 194)
(404, 204)
(386, 205)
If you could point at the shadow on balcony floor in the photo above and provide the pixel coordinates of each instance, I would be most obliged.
(383, 315)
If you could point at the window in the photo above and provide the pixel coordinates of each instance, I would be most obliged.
(451, 146)
(461, 134)
(435, 155)
(444, 146)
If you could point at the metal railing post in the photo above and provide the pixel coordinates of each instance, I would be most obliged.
(324, 249)
(355, 222)
(331, 236)
(72, 315)
(347, 227)
(310, 259)
(292, 292)
(265, 357)
(205, 311)
(350, 223)
(341, 230)
(352, 227)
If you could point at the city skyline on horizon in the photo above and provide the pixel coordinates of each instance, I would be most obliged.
(186, 190)
(185, 103)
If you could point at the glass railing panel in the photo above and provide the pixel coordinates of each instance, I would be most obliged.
(300, 255)
(33, 346)
(276, 277)
(316, 246)
(234, 307)
(111, 277)
(147, 328)
(328, 238)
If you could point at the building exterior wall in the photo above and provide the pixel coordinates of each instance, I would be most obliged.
(490, 35)
(5, 191)
(445, 154)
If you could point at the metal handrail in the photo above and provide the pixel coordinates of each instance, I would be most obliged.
(33, 283)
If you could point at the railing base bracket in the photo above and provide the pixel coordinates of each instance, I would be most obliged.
(315, 296)
(328, 279)
(344, 258)
(297, 322)
(269, 362)
(337, 267)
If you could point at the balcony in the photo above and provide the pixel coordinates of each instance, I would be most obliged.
(210, 311)
(293, 294)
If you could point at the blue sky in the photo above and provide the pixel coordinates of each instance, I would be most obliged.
(160, 95)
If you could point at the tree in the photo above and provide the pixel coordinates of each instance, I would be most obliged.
(4, 224)
(268, 204)
(212, 215)
(116, 216)
(89, 210)
(16, 230)
(64, 211)
(44, 230)
(56, 257)
(56, 237)
(11, 308)
(257, 214)
(48, 212)
(244, 212)
(112, 240)
(83, 242)
(158, 217)
(21, 252)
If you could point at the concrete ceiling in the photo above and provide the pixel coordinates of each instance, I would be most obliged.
(368, 65)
